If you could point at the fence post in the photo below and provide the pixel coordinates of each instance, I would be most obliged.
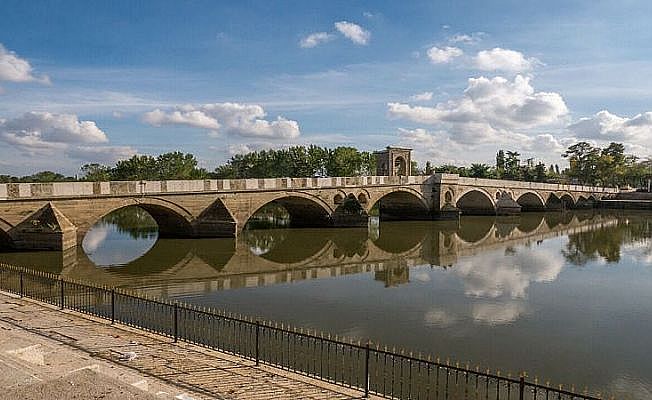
(62, 299)
(521, 388)
(176, 322)
(112, 305)
(257, 343)
(21, 284)
(366, 369)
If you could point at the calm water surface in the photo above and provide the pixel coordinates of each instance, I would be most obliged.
(566, 297)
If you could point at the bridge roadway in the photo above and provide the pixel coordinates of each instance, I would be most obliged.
(56, 216)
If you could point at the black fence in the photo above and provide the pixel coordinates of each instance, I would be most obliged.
(365, 367)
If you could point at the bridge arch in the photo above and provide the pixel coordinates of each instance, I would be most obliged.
(305, 210)
(400, 204)
(560, 201)
(476, 201)
(172, 219)
(531, 201)
(476, 230)
(5, 240)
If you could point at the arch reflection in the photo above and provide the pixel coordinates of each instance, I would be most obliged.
(262, 257)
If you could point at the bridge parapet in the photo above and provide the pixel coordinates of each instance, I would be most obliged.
(10, 191)
(500, 183)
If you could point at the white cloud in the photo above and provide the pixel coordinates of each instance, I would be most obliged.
(465, 38)
(353, 32)
(498, 59)
(44, 130)
(315, 39)
(607, 126)
(230, 118)
(194, 118)
(443, 55)
(425, 96)
(488, 110)
(16, 69)
(100, 154)
(44, 134)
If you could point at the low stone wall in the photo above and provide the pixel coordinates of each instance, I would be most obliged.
(119, 188)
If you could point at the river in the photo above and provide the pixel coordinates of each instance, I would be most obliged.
(566, 297)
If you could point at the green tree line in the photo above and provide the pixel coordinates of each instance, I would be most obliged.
(590, 165)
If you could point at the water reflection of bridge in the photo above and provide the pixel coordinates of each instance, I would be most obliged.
(268, 257)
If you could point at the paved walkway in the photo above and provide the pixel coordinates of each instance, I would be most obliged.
(42, 346)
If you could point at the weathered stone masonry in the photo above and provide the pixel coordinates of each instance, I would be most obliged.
(58, 215)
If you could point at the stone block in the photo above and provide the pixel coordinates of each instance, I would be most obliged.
(3, 191)
(24, 190)
(42, 189)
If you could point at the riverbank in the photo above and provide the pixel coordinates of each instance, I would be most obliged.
(50, 353)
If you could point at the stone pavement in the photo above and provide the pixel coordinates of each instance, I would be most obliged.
(42, 346)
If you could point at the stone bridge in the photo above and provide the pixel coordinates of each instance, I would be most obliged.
(56, 216)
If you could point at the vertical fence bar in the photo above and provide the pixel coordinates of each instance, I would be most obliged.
(257, 343)
(176, 322)
(113, 306)
(62, 299)
(21, 284)
(521, 388)
(366, 369)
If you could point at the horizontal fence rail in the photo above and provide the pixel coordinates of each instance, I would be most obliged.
(361, 366)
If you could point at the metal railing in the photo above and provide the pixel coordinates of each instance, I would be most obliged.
(361, 366)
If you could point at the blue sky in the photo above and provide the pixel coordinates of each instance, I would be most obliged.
(97, 81)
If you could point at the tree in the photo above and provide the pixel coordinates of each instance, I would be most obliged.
(177, 165)
(135, 168)
(500, 163)
(46, 176)
(540, 172)
(480, 171)
(512, 164)
(583, 162)
(96, 172)
(428, 170)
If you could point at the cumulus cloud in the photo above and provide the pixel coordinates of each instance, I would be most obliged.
(16, 69)
(443, 55)
(43, 133)
(231, 118)
(425, 96)
(315, 39)
(607, 126)
(498, 59)
(353, 32)
(466, 39)
(44, 130)
(184, 116)
(489, 109)
(100, 154)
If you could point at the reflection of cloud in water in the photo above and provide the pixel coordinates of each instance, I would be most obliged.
(421, 277)
(496, 274)
(258, 251)
(639, 252)
(439, 318)
(635, 388)
(106, 245)
(497, 313)
(95, 237)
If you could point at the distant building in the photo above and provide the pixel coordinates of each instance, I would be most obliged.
(394, 161)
